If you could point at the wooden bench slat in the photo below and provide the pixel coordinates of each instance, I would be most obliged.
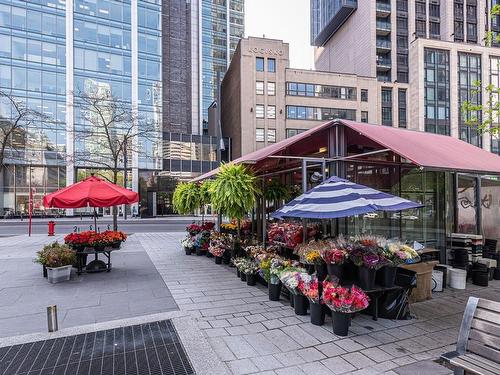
(485, 338)
(487, 315)
(470, 367)
(490, 305)
(486, 327)
(485, 363)
(484, 351)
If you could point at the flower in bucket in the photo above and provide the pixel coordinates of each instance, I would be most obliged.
(310, 288)
(207, 226)
(216, 250)
(187, 242)
(335, 255)
(194, 229)
(345, 300)
(291, 277)
(248, 267)
(278, 264)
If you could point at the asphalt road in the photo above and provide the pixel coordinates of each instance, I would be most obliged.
(67, 225)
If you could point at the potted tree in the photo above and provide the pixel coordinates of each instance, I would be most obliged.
(233, 194)
(58, 260)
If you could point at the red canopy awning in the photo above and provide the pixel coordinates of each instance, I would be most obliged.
(91, 192)
(430, 150)
(422, 149)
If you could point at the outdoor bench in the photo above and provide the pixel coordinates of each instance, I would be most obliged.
(478, 344)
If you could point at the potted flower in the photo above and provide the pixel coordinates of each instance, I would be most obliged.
(217, 251)
(335, 258)
(250, 269)
(58, 260)
(237, 262)
(277, 265)
(395, 254)
(367, 255)
(310, 289)
(113, 238)
(343, 302)
(291, 278)
(193, 229)
(188, 244)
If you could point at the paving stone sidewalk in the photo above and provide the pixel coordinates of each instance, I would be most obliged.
(251, 334)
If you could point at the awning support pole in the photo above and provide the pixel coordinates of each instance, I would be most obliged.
(304, 190)
(264, 219)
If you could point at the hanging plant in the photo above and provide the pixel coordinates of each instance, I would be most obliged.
(234, 191)
(276, 191)
(186, 198)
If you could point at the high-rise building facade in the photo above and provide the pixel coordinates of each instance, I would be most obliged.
(222, 25)
(425, 54)
(52, 53)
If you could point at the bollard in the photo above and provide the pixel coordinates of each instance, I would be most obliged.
(52, 226)
(52, 318)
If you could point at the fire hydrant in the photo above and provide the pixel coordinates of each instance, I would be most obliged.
(52, 227)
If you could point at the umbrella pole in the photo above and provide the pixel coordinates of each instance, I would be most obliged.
(95, 220)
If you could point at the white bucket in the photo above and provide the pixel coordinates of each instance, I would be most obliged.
(448, 275)
(458, 278)
(437, 281)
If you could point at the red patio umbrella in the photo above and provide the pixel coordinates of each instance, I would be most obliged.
(91, 192)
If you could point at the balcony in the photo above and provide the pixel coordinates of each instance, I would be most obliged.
(383, 45)
(383, 63)
(383, 28)
(340, 15)
(383, 9)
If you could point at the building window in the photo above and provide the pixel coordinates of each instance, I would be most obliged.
(271, 111)
(387, 106)
(271, 88)
(271, 65)
(437, 91)
(495, 81)
(402, 108)
(259, 135)
(364, 116)
(420, 28)
(364, 95)
(259, 111)
(271, 135)
(435, 30)
(320, 91)
(469, 72)
(315, 113)
(471, 32)
(292, 132)
(259, 64)
(259, 88)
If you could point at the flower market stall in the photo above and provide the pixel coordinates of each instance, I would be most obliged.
(92, 192)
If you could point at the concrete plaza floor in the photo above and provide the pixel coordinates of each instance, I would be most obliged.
(238, 327)
(132, 288)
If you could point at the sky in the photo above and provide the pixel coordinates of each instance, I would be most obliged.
(287, 20)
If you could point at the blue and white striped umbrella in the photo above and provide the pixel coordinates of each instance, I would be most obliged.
(337, 198)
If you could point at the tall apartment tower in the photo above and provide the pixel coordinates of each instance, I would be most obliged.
(425, 54)
(199, 40)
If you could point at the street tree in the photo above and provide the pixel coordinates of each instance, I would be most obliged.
(111, 133)
(484, 117)
(16, 118)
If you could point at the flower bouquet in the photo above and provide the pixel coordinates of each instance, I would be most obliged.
(236, 263)
(217, 251)
(343, 302)
(194, 229)
(250, 269)
(310, 289)
(207, 226)
(187, 243)
(367, 254)
(293, 278)
(335, 257)
(395, 253)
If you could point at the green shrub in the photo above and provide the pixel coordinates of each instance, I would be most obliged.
(55, 255)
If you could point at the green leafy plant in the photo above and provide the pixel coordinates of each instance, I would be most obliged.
(55, 255)
(234, 191)
(186, 198)
(276, 191)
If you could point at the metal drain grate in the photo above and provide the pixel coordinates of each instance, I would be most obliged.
(145, 349)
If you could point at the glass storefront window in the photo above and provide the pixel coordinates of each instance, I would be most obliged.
(466, 204)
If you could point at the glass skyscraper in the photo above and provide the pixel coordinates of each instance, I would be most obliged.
(51, 50)
(222, 26)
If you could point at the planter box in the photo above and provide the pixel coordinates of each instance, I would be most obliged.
(58, 274)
